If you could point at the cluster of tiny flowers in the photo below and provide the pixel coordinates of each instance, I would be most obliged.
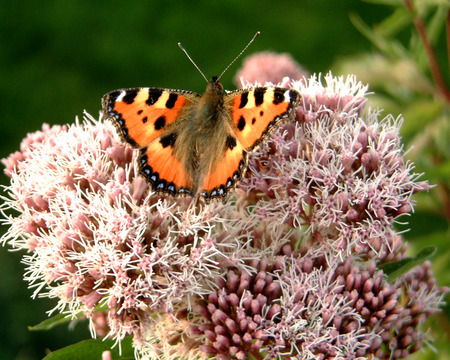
(307, 309)
(337, 175)
(268, 67)
(99, 238)
(97, 235)
(298, 306)
(189, 280)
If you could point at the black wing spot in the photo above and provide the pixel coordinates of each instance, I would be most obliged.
(184, 191)
(129, 96)
(161, 185)
(261, 113)
(253, 121)
(278, 96)
(244, 100)
(144, 119)
(171, 188)
(147, 170)
(140, 112)
(153, 96)
(242, 162)
(168, 140)
(259, 96)
(241, 123)
(293, 95)
(160, 123)
(113, 96)
(153, 177)
(170, 103)
(230, 143)
(143, 156)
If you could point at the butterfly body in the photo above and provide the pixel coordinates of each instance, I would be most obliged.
(197, 145)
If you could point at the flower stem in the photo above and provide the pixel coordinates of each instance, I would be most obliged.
(434, 67)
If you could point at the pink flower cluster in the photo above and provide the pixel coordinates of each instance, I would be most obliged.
(268, 67)
(335, 173)
(288, 267)
(305, 307)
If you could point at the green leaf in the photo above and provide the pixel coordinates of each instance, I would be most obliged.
(93, 349)
(436, 25)
(390, 47)
(394, 23)
(422, 121)
(396, 268)
(440, 171)
(59, 319)
(50, 323)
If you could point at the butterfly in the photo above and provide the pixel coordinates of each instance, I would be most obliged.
(197, 145)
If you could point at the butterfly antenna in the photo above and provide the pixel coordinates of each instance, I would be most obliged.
(243, 50)
(192, 61)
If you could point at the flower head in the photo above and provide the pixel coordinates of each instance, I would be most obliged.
(336, 174)
(189, 280)
(268, 67)
(98, 235)
(304, 307)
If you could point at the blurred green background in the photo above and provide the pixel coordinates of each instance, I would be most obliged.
(58, 58)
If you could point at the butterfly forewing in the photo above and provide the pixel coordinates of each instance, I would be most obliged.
(143, 114)
(256, 112)
(144, 118)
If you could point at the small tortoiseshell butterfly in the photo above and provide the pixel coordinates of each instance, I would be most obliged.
(197, 145)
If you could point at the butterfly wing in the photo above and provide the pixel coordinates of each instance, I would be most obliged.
(228, 171)
(258, 111)
(145, 118)
(251, 115)
(150, 119)
(142, 114)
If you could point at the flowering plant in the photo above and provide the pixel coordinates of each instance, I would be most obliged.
(301, 262)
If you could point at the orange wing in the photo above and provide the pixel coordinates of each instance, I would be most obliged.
(258, 111)
(146, 119)
(162, 170)
(142, 114)
(227, 173)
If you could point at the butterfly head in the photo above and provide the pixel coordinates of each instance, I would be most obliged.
(215, 86)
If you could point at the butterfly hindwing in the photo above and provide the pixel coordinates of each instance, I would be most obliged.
(256, 112)
(161, 169)
(143, 114)
(228, 171)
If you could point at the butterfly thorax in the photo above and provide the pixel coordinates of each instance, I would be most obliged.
(210, 104)
(204, 136)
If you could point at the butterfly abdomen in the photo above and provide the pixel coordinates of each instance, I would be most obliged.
(205, 136)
